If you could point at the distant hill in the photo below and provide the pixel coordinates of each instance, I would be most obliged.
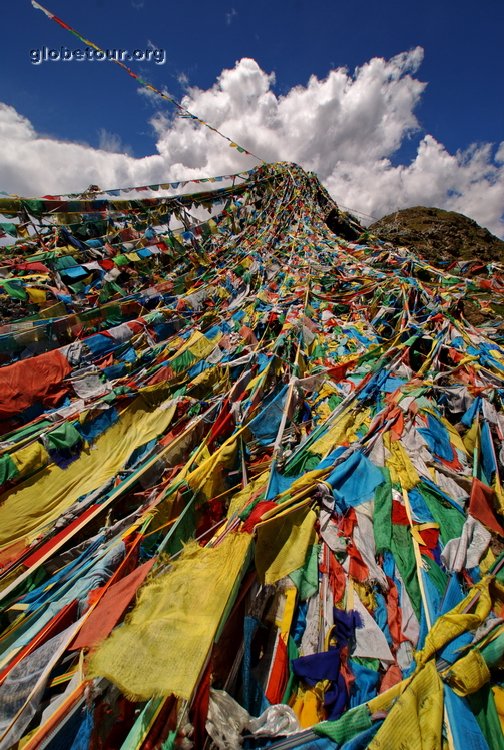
(439, 236)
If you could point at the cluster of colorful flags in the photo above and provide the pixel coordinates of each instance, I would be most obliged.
(251, 478)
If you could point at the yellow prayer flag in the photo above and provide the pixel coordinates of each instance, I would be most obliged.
(200, 346)
(498, 693)
(37, 296)
(30, 459)
(453, 623)
(282, 543)
(31, 506)
(416, 719)
(208, 477)
(468, 674)
(471, 437)
(399, 463)
(242, 498)
(163, 645)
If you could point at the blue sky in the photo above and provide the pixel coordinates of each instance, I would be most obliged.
(96, 104)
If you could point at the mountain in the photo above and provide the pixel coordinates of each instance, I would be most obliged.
(439, 236)
(450, 241)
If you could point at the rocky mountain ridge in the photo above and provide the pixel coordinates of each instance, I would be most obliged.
(440, 236)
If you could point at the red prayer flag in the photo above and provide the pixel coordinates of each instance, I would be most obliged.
(111, 608)
(480, 506)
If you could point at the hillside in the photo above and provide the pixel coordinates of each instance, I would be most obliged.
(439, 236)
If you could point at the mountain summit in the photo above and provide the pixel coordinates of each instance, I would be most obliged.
(439, 236)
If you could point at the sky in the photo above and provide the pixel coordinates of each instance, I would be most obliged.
(392, 104)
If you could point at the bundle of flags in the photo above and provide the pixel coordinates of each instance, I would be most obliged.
(252, 491)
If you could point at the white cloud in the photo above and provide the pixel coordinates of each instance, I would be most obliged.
(183, 80)
(33, 164)
(230, 15)
(347, 127)
(112, 143)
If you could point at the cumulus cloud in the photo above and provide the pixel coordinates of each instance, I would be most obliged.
(34, 164)
(347, 127)
(112, 142)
